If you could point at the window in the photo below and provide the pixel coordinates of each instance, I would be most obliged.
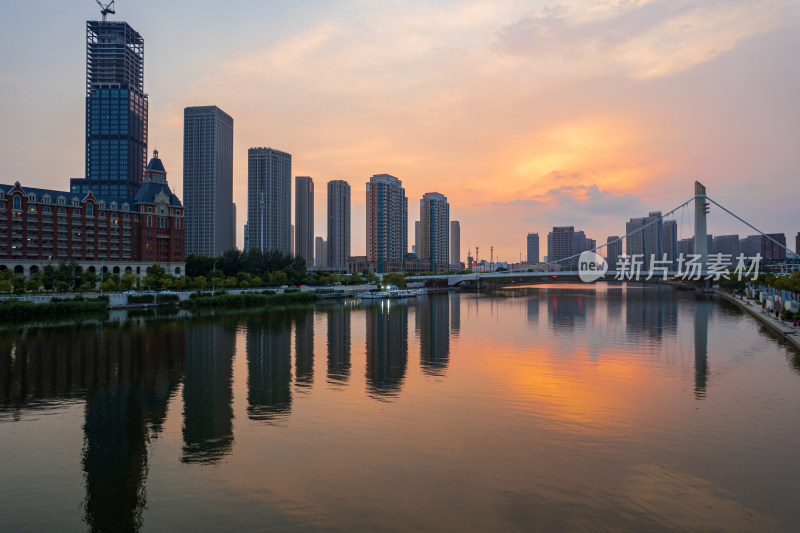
(17, 202)
(125, 206)
(46, 199)
(76, 213)
(89, 210)
(62, 211)
(61, 200)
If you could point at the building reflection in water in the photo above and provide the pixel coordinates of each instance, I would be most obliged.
(339, 345)
(533, 310)
(651, 312)
(304, 349)
(702, 310)
(455, 313)
(433, 329)
(387, 347)
(269, 365)
(568, 308)
(207, 390)
(126, 375)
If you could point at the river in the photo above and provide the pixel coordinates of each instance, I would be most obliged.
(548, 408)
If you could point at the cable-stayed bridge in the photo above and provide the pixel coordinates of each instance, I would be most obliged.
(699, 266)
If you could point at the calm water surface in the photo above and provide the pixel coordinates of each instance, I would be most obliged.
(571, 408)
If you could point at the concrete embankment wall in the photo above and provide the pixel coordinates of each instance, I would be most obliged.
(784, 329)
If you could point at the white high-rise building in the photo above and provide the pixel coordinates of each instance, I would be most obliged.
(387, 223)
(434, 230)
(455, 244)
(208, 181)
(269, 199)
(338, 243)
(304, 218)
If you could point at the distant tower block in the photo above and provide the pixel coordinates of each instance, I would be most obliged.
(700, 233)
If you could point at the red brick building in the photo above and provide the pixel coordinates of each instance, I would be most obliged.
(38, 226)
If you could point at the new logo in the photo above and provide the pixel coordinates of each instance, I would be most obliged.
(591, 267)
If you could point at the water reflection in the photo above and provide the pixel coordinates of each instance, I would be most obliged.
(387, 347)
(651, 312)
(127, 374)
(207, 390)
(433, 329)
(339, 345)
(269, 366)
(702, 310)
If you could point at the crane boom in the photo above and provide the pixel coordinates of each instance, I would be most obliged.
(105, 9)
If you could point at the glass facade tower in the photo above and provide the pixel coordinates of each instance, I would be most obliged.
(116, 111)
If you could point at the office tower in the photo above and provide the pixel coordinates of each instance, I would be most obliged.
(772, 251)
(455, 244)
(591, 244)
(208, 180)
(533, 248)
(613, 251)
(634, 242)
(560, 245)
(653, 232)
(579, 242)
(417, 243)
(727, 244)
(387, 223)
(669, 239)
(291, 240)
(434, 219)
(116, 111)
(338, 243)
(246, 239)
(269, 199)
(686, 247)
(750, 246)
(304, 218)
(797, 243)
(320, 253)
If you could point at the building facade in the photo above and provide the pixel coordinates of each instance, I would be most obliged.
(116, 111)
(772, 251)
(269, 200)
(727, 244)
(208, 180)
(41, 226)
(304, 218)
(387, 223)
(669, 241)
(532, 248)
(561, 245)
(338, 242)
(320, 253)
(455, 245)
(613, 251)
(434, 218)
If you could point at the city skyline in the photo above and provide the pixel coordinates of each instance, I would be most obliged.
(568, 165)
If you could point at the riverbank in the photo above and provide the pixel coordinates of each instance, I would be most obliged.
(782, 328)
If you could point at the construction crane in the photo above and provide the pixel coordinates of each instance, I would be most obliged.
(106, 9)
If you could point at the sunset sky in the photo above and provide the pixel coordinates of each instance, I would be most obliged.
(525, 114)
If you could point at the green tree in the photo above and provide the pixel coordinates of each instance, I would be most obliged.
(34, 283)
(395, 278)
(154, 279)
(127, 281)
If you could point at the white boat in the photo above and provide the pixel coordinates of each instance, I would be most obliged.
(374, 295)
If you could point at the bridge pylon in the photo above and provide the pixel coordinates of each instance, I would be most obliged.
(700, 231)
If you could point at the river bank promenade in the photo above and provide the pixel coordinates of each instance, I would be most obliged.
(784, 328)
